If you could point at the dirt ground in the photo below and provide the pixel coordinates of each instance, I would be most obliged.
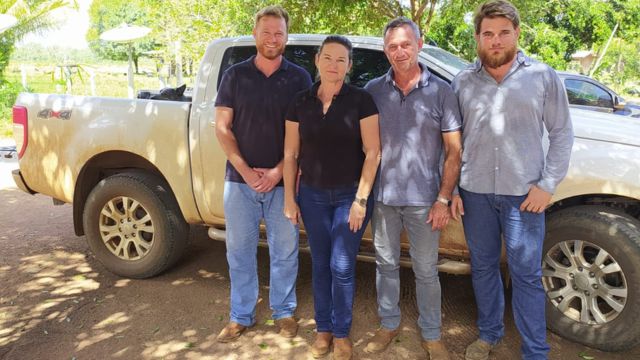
(58, 302)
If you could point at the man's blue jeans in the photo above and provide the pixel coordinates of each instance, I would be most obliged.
(334, 249)
(243, 209)
(487, 217)
(387, 224)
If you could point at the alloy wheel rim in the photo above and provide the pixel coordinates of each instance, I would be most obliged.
(584, 282)
(126, 228)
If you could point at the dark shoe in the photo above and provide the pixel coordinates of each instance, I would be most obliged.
(230, 332)
(380, 340)
(436, 350)
(322, 344)
(288, 327)
(342, 349)
(478, 350)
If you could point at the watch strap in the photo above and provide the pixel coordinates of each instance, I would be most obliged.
(361, 201)
(444, 200)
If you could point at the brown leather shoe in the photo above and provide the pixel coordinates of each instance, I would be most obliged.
(380, 340)
(436, 350)
(288, 327)
(230, 332)
(478, 350)
(342, 349)
(322, 344)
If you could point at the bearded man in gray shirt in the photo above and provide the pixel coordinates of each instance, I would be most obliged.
(506, 182)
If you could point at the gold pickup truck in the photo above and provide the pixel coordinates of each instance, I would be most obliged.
(138, 172)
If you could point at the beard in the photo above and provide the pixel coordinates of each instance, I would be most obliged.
(269, 53)
(495, 61)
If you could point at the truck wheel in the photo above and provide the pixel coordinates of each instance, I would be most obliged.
(591, 274)
(133, 225)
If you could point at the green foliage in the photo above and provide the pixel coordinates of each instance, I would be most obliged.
(8, 94)
(618, 67)
(450, 31)
(336, 17)
(546, 44)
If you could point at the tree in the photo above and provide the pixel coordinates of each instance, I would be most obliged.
(355, 17)
(552, 30)
(108, 14)
(32, 16)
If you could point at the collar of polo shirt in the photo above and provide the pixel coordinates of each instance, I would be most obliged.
(425, 75)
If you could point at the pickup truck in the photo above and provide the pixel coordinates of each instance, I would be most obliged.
(139, 172)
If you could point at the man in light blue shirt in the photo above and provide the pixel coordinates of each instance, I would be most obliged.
(507, 100)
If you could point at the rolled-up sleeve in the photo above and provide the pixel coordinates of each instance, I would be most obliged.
(557, 121)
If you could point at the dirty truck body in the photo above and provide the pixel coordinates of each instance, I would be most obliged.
(139, 172)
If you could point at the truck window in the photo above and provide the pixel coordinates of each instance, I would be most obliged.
(302, 55)
(367, 64)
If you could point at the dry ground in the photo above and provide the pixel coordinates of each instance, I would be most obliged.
(58, 302)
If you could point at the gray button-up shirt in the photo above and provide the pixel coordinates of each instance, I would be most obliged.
(411, 130)
(503, 126)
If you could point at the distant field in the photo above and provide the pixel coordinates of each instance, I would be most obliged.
(110, 81)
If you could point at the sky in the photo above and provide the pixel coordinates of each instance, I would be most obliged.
(72, 31)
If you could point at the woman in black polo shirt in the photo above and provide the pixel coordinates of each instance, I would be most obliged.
(332, 138)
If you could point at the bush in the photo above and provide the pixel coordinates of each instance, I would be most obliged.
(8, 94)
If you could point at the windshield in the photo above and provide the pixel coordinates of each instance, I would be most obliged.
(446, 58)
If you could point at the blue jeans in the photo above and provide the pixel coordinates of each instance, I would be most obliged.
(243, 209)
(487, 216)
(387, 224)
(333, 254)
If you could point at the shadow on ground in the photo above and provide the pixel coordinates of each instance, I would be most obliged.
(58, 302)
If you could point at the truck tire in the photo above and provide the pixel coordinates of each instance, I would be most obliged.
(134, 226)
(591, 274)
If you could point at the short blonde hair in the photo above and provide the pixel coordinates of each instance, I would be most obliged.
(275, 11)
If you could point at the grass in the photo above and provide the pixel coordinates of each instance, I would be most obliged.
(110, 81)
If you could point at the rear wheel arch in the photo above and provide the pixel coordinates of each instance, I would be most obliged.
(99, 167)
(627, 204)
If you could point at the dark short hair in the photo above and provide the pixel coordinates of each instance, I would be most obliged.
(275, 11)
(401, 21)
(493, 9)
(338, 39)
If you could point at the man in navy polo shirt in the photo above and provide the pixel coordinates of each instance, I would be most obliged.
(250, 110)
(419, 120)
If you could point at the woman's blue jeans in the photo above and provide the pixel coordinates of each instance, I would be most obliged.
(333, 253)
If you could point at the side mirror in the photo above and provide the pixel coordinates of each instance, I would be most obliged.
(619, 103)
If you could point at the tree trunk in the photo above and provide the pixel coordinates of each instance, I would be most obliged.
(135, 63)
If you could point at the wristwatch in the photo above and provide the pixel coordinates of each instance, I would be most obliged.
(444, 200)
(361, 201)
